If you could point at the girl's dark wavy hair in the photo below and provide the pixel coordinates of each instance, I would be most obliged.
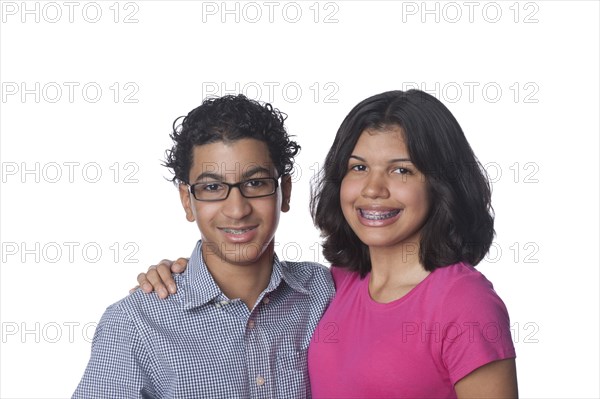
(227, 119)
(460, 224)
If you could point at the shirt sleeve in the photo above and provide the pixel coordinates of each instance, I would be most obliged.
(476, 329)
(118, 361)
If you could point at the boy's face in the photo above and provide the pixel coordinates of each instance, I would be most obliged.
(237, 230)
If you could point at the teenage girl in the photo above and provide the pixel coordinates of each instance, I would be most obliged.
(404, 209)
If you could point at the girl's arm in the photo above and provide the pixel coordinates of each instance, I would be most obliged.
(494, 380)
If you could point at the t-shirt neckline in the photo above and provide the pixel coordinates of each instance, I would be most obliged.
(364, 290)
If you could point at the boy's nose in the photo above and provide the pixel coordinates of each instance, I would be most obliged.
(236, 206)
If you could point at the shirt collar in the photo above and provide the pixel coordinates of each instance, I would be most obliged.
(200, 288)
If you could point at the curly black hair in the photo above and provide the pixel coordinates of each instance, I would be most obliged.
(230, 118)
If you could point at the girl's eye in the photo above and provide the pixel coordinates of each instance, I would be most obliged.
(358, 168)
(402, 171)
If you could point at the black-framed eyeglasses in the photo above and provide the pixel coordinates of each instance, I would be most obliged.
(219, 190)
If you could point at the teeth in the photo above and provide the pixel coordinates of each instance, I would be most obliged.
(378, 215)
(236, 231)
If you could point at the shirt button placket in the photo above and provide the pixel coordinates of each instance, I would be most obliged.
(258, 362)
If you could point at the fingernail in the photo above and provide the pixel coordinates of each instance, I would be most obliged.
(162, 293)
(172, 288)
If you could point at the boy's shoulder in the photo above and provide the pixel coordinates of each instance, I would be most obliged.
(308, 275)
(139, 304)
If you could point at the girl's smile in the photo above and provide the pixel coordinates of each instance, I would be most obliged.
(383, 195)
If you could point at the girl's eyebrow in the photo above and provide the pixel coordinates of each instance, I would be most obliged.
(399, 160)
(390, 161)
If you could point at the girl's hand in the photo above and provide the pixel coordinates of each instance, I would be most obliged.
(159, 277)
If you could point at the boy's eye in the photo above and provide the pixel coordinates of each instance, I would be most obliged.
(254, 183)
(212, 186)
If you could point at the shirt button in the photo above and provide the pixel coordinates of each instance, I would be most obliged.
(266, 300)
(260, 380)
(251, 324)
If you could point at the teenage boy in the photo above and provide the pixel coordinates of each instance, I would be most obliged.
(241, 320)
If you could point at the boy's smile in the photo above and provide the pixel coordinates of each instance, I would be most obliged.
(235, 230)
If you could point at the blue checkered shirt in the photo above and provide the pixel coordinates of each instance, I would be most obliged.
(198, 343)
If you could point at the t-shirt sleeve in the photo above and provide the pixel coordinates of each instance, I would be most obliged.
(476, 327)
(115, 368)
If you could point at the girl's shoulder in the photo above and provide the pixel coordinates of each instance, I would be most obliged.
(466, 290)
(460, 277)
(343, 276)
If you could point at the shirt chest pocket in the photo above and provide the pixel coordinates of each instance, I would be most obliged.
(292, 375)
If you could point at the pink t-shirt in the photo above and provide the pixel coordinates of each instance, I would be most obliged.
(418, 346)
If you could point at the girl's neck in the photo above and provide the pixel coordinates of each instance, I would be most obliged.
(395, 261)
(395, 271)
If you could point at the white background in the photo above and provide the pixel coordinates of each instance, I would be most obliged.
(521, 78)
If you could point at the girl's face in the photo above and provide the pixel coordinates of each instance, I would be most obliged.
(383, 195)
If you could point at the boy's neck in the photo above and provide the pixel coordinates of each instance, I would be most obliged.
(245, 282)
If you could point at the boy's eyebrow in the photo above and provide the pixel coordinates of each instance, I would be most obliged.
(390, 161)
(252, 171)
(248, 173)
(209, 175)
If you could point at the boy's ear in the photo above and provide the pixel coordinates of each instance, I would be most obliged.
(286, 192)
(186, 201)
